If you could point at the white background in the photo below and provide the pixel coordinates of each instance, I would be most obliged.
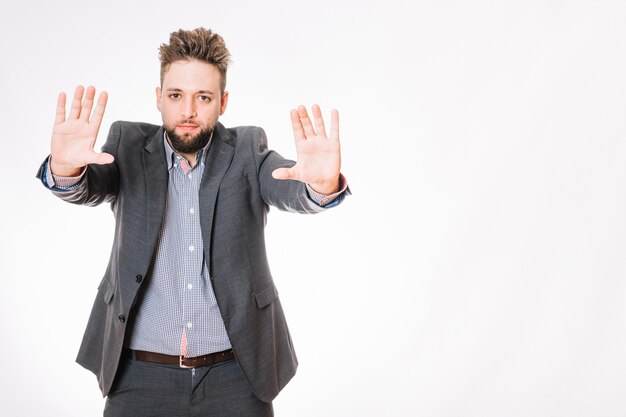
(478, 269)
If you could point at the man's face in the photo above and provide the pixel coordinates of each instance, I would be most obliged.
(190, 103)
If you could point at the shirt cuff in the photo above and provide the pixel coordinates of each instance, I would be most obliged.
(325, 199)
(58, 182)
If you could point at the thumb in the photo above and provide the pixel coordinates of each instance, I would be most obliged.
(284, 174)
(101, 158)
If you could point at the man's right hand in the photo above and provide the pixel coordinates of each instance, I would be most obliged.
(73, 138)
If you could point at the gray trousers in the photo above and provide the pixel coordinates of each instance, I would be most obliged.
(144, 389)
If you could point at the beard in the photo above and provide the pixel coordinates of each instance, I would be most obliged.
(188, 143)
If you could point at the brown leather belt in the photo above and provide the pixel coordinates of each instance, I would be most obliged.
(210, 359)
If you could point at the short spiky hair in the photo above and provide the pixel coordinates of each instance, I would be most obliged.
(201, 44)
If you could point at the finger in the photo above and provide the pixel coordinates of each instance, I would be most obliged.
(306, 122)
(98, 111)
(85, 111)
(298, 131)
(319, 121)
(100, 158)
(76, 102)
(284, 174)
(60, 113)
(334, 124)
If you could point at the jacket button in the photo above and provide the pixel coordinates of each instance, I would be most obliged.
(138, 278)
(122, 318)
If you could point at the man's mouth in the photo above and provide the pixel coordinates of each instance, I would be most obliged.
(187, 126)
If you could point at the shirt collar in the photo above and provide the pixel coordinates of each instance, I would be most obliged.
(171, 155)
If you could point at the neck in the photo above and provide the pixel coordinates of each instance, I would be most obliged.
(190, 157)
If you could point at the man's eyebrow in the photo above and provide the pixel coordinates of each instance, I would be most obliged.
(178, 90)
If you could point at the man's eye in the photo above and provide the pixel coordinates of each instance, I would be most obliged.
(175, 96)
(204, 98)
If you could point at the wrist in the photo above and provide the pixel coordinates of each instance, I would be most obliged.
(64, 170)
(325, 187)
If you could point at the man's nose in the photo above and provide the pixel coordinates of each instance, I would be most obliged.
(189, 109)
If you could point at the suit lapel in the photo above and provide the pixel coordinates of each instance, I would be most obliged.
(156, 177)
(217, 162)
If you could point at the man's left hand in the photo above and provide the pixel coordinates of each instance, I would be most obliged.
(318, 156)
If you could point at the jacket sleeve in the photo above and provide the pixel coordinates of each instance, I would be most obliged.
(100, 182)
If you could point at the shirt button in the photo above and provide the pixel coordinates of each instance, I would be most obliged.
(189, 325)
(191, 210)
(189, 286)
(191, 248)
(138, 278)
(121, 318)
(190, 176)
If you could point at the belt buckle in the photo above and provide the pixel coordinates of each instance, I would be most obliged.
(181, 358)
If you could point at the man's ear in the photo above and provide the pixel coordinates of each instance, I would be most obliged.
(224, 102)
(158, 98)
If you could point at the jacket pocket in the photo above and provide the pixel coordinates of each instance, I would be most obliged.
(107, 290)
(230, 189)
(266, 295)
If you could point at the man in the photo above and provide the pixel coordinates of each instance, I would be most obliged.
(187, 320)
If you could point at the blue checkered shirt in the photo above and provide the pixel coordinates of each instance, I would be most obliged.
(179, 298)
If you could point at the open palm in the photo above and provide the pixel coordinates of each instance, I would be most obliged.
(73, 138)
(318, 155)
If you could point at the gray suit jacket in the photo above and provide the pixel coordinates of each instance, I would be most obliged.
(235, 194)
